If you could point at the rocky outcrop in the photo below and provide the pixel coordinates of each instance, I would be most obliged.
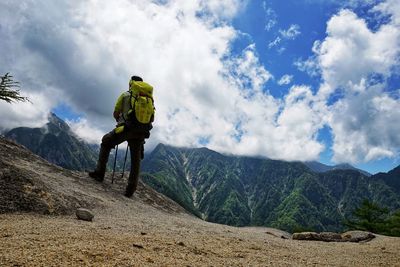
(350, 236)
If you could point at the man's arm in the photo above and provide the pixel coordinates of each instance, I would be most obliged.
(116, 114)
(118, 107)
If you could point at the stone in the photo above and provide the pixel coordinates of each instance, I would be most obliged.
(84, 214)
(358, 236)
(138, 246)
(351, 236)
(330, 237)
(305, 236)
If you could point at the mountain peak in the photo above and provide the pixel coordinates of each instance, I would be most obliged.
(57, 143)
(56, 125)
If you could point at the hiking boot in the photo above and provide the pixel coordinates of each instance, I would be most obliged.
(129, 191)
(97, 176)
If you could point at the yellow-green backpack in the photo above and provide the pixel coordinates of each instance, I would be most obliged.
(142, 103)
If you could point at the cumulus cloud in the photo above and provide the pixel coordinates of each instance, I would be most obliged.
(82, 128)
(27, 114)
(391, 8)
(82, 53)
(352, 52)
(226, 9)
(358, 61)
(366, 126)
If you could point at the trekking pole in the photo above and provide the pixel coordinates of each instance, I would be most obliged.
(126, 154)
(115, 162)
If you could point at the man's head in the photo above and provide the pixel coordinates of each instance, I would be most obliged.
(136, 79)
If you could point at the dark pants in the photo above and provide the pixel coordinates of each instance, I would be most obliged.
(135, 142)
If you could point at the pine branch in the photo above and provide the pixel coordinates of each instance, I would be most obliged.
(9, 90)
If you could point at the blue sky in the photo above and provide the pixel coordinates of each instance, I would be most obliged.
(291, 80)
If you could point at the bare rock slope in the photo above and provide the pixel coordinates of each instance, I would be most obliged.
(38, 227)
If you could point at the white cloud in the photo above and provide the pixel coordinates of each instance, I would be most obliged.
(310, 66)
(25, 114)
(348, 3)
(284, 35)
(352, 52)
(285, 79)
(365, 121)
(270, 17)
(225, 9)
(391, 8)
(366, 126)
(84, 130)
(291, 33)
(83, 53)
(275, 42)
(299, 124)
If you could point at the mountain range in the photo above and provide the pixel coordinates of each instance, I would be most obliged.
(252, 191)
(233, 190)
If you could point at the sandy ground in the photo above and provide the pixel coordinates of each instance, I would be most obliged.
(149, 237)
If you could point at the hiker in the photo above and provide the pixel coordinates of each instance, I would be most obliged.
(134, 113)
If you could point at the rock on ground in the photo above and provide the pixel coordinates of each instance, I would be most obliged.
(351, 236)
(84, 214)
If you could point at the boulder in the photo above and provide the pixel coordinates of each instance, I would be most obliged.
(330, 237)
(84, 214)
(357, 236)
(305, 236)
(351, 236)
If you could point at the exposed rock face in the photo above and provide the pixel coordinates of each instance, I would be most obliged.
(29, 184)
(84, 214)
(351, 236)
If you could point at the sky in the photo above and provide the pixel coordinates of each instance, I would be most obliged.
(291, 80)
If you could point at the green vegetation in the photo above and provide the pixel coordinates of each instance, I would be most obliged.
(9, 91)
(369, 216)
(244, 191)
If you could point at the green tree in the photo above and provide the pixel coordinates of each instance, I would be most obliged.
(9, 89)
(393, 224)
(369, 217)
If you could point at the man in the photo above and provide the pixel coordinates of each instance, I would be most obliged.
(130, 129)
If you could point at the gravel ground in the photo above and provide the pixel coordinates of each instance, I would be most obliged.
(151, 237)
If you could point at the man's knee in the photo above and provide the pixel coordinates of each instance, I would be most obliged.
(109, 140)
